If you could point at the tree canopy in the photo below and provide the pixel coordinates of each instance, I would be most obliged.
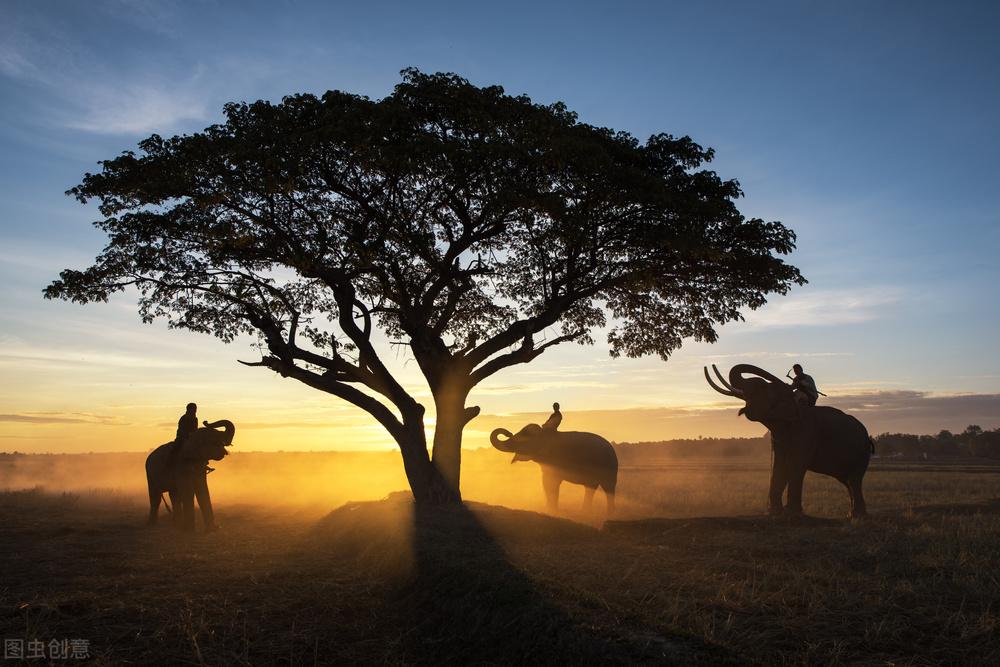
(477, 228)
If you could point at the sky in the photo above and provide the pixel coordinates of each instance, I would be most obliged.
(868, 127)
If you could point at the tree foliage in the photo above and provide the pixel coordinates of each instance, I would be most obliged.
(475, 227)
(974, 441)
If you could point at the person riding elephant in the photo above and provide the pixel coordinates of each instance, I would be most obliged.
(577, 457)
(182, 472)
(552, 423)
(804, 387)
(186, 425)
(822, 439)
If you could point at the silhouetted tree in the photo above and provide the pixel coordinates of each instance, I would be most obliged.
(462, 222)
(973, 441)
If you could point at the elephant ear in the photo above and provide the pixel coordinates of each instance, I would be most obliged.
(191, 446)
(198, 444)
(785, 408)
(532, 430)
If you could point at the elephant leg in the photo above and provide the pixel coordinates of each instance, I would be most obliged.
(185, 493)
(588, 498)
(845, 480)
(858, 507)
(154, 505)
(175, 503)
(204, 501)
(779, 480)
(187, 521)
(610, 495)
(550, 483)
(795, 479)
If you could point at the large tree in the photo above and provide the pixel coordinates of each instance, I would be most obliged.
(477, 228)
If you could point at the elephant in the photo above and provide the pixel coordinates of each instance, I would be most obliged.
(577, 457)
(817, 438)
(184, 476)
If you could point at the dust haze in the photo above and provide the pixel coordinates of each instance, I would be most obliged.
(321, 481)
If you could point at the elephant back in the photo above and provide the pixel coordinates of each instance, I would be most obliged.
(836, 421)
(583, 449)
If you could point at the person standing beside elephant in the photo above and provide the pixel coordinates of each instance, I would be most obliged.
(804, 387)
(552, 423)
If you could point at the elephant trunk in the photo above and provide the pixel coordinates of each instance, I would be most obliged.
(230, 429)
(737, 371)
(505, 444)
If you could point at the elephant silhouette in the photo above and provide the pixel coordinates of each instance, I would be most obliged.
(183, 477)
(817, 438)
(577, 457)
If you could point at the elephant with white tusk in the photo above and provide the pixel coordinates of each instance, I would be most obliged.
(817, 438)
(572, 456)
(183, 476)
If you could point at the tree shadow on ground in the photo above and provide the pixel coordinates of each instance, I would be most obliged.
(455, 598)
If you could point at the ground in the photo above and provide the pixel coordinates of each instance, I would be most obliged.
(692, 572)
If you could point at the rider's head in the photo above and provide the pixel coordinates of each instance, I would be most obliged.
(192, 407)
(797, 368)
(555, 406)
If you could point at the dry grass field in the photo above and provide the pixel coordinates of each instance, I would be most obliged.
(314, 565)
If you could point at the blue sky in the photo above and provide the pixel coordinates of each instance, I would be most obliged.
(868, 127)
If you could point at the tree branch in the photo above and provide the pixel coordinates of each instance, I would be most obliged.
(350, 394)
(523, 355)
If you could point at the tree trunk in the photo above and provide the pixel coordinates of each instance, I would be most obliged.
(426, 482)
(447, 453)
(452, 416)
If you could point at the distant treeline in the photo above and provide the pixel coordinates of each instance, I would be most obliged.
(972, 442)
(646, 453)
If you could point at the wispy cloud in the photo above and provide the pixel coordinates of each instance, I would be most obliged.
(778, 355)
(540, 386)
(881, 411)
(267, 425)
(98, 358)
(943, 405)
(38, 257)
(96, 95)
(157, 16)
(139, 108)
(563, 373)
(63, 418)
(14, 64)
(819, 308)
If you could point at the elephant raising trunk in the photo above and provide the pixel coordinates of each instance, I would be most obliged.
(572, 456)
(182, 475)
(229, 430)
(497, 442)
(817, 438)
(503, 445)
